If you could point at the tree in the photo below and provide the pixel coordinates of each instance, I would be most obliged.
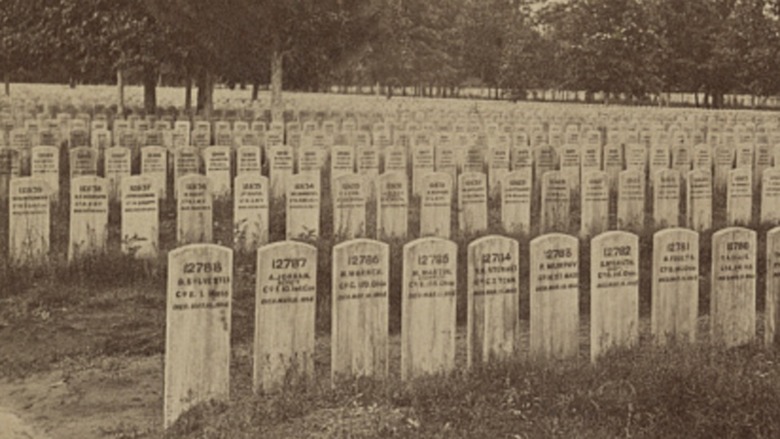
(610, 46)
(232, 34)
(19, 42)
(92, 39)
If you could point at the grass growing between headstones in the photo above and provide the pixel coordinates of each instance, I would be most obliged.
(686, 391)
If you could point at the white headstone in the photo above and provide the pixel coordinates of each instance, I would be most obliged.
(545, 160)
(522, 157)
(699, 199)
(702, 157)
(311, 160)
(368, 168)
(762, 161)
(772, 307)
(590, 159)
(613, 164)
(733, 286)
(349, 207)
(88, 216)
(724, 161)
(631, 200)
(570, 164)
(554, 296)
(250, 212)
(194, 212)
(770, 196)
(422, 165)
(395, 160)
(516, 201)
(393, 206)
(359, 340)
(614, 292)
(675, 294)
(666, 198)
(636, 157)
(498, 166)
(118, 163)
(140, 217)
(342, 161)
(493, 304)
(594, 205)
(303, 207)
(659, 159)
(472, 202)
(428, 304)
(473, 158)
(447, 160)
(29, 221)
(436, 205)
(280, 165)
(248, 160)
(197, 342)
(83, 162)
(556, 203)
(744, 156)
(739, 197)
(217, 160)
(285, 303)
(45, 165)
(186, 161)
(154, 164)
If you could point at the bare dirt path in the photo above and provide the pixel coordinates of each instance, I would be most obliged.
(114, 398)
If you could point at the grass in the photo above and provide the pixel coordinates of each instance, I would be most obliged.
(680, 392)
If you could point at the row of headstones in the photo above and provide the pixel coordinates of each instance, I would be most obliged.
(490, 122)
(30, 211)
(204, 133)
(422, 111)
(200, 293)
(367, 160)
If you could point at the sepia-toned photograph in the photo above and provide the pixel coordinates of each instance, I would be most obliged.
(411, 219)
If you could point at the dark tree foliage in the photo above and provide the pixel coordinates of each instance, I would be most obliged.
(630, 48)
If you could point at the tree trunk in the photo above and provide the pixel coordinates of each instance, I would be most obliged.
(277, 68)
(150, 90)
(188, 94)
(7, 81)
(255, 90)
(205, 93)
(717, 99)
(120, 88)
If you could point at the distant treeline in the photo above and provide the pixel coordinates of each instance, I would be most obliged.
(630, 51)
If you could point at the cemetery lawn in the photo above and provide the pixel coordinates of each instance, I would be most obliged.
(83, 358)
